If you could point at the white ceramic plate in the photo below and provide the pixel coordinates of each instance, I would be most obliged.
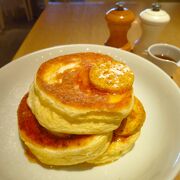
(156, 154)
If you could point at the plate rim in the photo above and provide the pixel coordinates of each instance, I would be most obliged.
(176, 169)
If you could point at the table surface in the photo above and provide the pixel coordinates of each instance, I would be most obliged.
(84, 22)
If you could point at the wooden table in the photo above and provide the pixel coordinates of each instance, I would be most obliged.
(68, 23)
(71, 23)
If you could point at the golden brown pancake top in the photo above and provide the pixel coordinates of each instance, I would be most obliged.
(73, 87)
(30, 128)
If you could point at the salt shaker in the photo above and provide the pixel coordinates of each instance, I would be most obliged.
(119, 21)
(153, 22)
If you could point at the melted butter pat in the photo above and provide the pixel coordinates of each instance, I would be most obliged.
(114, 98)
(111, 76)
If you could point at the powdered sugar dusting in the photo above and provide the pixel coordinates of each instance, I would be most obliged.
(113, 70)
(111, 75)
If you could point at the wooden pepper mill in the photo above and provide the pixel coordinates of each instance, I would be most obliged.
(119, 21)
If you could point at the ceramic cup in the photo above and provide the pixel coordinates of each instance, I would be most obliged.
(167, 50)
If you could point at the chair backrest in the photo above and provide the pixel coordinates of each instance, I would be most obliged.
(10, 7)
(2, 25)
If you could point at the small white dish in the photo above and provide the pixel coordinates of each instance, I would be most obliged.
(156, 154)
(167, 50)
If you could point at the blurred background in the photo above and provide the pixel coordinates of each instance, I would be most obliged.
(17, 18)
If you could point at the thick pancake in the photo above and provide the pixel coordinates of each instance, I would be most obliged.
(73, 103)
(118, 147)
(134, 121)
(55, 150)
(66, 79)
(125, 136)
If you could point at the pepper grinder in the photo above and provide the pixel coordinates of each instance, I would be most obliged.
(119, 21)
(153, 22)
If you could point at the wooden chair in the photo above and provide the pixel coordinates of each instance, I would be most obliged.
(2, 25)
(28, 9)
(5, 9)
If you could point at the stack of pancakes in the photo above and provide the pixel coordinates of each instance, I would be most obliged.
(80, 108)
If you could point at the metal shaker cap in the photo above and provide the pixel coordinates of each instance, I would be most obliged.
(120, 6)
(154, 15)
(156, 6)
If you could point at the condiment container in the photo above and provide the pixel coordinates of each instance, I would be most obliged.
(119, 21)
(153, 22)
(166, 56)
